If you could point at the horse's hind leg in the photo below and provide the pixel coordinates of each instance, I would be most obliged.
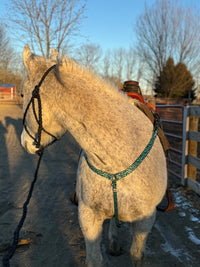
(114, 247)
(91, 226)
(140, 230)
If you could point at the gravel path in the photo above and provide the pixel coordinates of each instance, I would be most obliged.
(52, 222)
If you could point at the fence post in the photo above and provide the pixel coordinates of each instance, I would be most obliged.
(185, 129)
(192, 146)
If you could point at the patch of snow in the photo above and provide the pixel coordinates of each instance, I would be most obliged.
(182, 214)
(179, 200)
(196, 211)
(168, 248)
(192, 236)
(194, 219)
(180, 254)
(184, 203)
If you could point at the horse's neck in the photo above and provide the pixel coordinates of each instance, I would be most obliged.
(103, 123)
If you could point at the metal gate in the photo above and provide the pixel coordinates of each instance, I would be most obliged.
(183, 137)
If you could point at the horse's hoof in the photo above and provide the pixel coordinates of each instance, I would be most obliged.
(115, 250)
(138, 262)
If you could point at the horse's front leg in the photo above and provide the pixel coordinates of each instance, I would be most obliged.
(140, 230)
(91, 226)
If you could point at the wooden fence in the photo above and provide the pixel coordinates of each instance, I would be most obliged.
(182, 128)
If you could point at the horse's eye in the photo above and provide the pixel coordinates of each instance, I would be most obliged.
(22, 95)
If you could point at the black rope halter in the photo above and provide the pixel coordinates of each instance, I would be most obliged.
(36, 95)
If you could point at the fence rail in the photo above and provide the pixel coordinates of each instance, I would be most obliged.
(181, 126)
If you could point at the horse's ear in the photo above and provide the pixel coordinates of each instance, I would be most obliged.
(27, 56)
(54, 55)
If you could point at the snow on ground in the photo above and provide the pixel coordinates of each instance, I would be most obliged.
(192, 236)
(186, 225)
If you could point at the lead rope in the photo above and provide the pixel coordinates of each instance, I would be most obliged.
(13, 248)
(35, 95)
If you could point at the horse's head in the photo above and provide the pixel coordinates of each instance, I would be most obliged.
(41, 126)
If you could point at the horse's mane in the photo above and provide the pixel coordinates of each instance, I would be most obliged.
(69, 65)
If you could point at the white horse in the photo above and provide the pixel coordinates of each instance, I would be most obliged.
(113, 133)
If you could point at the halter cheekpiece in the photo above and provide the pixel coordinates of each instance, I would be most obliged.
(38, 118)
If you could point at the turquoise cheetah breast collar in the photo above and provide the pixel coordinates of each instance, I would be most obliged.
(117, 176)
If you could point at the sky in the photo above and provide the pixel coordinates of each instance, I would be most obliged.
(110, 23)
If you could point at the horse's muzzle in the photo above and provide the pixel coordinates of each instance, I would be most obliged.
(28, 143)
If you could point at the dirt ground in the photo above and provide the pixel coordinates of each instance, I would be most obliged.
(52, 222)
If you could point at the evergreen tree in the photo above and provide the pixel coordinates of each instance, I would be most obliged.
(175, 81)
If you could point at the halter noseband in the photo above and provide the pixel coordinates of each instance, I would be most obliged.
(36, 95)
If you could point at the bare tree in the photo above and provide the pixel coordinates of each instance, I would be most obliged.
(6, 55)
(119, 57)
(121, 64)
(46, 23)
(164, 30)
(106, 64)
(130, 63)
(89, 55)
(9, 63)
(113, 66)
(5, 50)
(133, 65)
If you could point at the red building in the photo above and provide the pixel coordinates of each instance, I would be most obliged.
(7, 91)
